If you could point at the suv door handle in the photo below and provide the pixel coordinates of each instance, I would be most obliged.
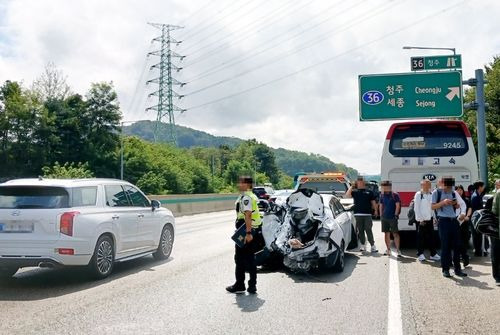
(115, 217)
(140, 215)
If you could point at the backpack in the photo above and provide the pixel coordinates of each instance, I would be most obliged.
(485, 222)
(439, 193)
(411, 211)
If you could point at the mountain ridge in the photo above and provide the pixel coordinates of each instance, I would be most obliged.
(290, 161)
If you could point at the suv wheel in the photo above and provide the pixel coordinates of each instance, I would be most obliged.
(166, 243)
(103, 259)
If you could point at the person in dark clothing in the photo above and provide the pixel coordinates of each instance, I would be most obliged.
(476, 203)
(364, 205)
(495, 242)
(445, 202)
(465, 231)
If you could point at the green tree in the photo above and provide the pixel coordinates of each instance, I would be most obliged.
(68, 171)
(492, 96)
(266, 162)
(17, 124)
(100, 127)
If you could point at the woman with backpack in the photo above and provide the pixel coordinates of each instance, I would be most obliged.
(425, 222)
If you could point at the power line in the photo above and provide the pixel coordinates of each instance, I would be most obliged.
(275, 44)
(249, 27)
(199, 10)
(223, 27)
(287, 54)
(385, 36)
(220, 48)
(203, 28)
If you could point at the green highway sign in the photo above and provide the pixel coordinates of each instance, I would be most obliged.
(436, 62)
(410, 95)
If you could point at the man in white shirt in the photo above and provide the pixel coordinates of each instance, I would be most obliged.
(424, 218)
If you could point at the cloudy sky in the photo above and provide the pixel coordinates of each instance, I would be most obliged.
(282, 71)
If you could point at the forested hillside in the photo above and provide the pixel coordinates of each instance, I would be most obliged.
(290, 162)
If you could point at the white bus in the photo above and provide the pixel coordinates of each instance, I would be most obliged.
(427, 149)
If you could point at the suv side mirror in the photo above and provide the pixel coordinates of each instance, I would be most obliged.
(155, 204)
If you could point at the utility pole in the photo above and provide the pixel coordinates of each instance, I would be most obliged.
(480, 106)
(165, 93)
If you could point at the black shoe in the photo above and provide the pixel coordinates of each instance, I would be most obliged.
(252, 289)
(446, 274)
(485, 253)
(235, 289)
(466, 261)
(460, 273)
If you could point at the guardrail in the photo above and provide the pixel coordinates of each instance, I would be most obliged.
(189, 204)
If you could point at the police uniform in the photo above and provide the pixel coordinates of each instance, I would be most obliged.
(245, 257)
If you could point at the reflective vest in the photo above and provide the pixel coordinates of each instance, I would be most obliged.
(256, 221)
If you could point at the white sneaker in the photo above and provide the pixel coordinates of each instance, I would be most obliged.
(436, 257)
(362, 247)
(374, 248)
(422, 258)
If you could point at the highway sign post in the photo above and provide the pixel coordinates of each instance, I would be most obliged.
(436, 62)
(410, 95)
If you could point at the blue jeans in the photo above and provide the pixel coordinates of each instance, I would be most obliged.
(449, 234)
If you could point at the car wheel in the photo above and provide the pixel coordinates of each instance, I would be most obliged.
(6, 273)
(166, 243)
(354, 239)
(103, 260)
(340, 264)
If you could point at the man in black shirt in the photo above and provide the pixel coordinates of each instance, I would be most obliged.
(364, 207)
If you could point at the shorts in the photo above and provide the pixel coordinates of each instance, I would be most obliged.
(389, 225)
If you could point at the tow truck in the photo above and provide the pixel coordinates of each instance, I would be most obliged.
(336, 183)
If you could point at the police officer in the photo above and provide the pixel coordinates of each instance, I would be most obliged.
(247, 214)
(444, 202)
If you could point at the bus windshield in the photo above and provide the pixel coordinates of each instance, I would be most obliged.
(420, 140)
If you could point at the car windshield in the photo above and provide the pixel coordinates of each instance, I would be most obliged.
(19, 197)
(283, 193)
(259, 191)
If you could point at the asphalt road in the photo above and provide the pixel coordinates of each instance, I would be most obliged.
(185, 295)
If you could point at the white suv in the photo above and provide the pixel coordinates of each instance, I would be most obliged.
(71, 222)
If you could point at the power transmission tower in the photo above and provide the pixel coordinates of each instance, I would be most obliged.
(165, 93)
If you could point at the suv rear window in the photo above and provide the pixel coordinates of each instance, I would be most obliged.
(19, 197)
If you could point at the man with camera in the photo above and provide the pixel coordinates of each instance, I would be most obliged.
(445, 201)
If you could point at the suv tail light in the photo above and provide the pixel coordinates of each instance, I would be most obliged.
(66, 223)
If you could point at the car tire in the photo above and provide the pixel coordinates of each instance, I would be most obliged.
(7, 272)
(166, 243)
(353, 244)
(340, 264)
(102, 262)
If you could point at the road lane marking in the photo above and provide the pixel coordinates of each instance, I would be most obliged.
(394, 321)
